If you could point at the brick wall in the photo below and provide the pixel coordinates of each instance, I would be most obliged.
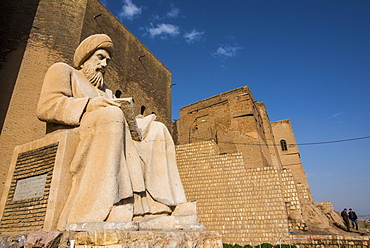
(246, 205)
(292, 200)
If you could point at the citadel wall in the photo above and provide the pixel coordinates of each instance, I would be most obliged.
(246, 205)
(47, 31)
(230, 162)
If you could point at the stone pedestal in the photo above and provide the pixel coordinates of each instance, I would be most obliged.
(38, 183)
(143, 239)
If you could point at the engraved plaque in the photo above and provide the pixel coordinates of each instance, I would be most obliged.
(30, 187)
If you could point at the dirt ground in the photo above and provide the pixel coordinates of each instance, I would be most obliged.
(323, 221)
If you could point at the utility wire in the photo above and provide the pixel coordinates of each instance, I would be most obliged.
(333, 141)
(299, 144)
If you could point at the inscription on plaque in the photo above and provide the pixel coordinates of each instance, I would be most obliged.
(30, 187)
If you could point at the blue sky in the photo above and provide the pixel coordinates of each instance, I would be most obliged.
(308, 61)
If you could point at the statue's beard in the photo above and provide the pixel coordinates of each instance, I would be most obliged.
(95, 77)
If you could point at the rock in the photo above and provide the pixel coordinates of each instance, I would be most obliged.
(4, 243)
(20, 239)
(15, 242)
(43, 239)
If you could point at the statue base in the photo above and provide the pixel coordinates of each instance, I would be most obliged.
(182, 222)
(124, 235)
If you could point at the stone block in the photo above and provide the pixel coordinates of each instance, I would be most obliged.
(184, 222)
(43, 239)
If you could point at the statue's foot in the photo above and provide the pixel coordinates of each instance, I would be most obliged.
(186, 208)
(121, 213)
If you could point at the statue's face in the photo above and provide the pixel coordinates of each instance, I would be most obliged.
(94, 67)
(99, 60)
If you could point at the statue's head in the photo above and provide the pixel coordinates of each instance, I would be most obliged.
(92, 57)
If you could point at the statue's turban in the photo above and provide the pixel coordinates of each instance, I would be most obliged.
(89, 45)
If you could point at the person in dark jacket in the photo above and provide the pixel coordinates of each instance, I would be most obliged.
(345, 218)
(353, 217)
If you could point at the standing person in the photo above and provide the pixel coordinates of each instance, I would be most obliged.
(353, 217)
(344, 215)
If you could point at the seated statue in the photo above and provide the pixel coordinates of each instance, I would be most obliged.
(119, 174)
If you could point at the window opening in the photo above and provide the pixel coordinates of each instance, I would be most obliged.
(283, 145)
(118, 93)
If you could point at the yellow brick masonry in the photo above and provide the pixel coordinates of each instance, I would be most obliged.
(246, 205)
(327, 205)
(292, 200)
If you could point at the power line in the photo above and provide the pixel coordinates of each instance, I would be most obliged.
(333, 141)
(299, 144)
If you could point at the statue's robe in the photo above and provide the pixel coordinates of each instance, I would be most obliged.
(108, 167)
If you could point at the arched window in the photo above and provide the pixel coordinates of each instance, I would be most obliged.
(283, 145)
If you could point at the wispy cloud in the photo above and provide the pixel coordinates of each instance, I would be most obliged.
(335, 115)
(104, 2)
(163, 30)
(310, 175)
(173, 13)
(129, 10)
(226, 51)
(193, 36)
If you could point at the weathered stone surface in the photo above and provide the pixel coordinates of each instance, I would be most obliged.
(43, 239)
(143, 239)
(96, 226)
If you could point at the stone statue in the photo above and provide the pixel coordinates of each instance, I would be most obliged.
(121, 172)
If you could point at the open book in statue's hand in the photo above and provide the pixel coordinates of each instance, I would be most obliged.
(138, 126)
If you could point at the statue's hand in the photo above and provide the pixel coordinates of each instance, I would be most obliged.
(99, 102)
